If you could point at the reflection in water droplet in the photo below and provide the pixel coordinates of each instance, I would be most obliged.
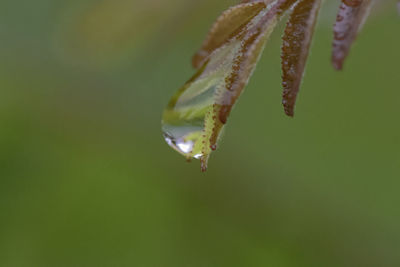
(198, 156)
(180, 144)
(185, 147)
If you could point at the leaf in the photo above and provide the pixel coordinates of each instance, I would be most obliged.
(295, 49)
(227, 25)
(349, 21)
(398, 7)
(197, 114)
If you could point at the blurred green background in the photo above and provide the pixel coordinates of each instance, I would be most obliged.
(86, 178)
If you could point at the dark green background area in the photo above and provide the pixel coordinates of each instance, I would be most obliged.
(87, 180)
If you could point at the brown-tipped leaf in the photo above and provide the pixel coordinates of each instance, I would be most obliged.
(227, 25)
(349, 21)
(295, 48)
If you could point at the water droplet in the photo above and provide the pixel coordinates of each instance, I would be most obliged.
(191, 117)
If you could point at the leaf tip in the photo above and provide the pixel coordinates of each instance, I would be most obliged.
(288, 103)
(289, 110)
(289, 113)
(204, 163)
(337, 63)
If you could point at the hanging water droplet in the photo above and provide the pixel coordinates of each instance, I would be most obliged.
(190, 123)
